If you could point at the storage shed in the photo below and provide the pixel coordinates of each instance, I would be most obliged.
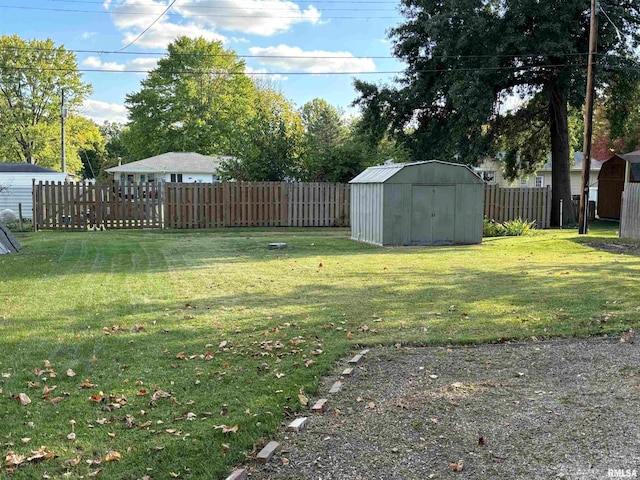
(611, 181)
(16, 185)
(422, 203)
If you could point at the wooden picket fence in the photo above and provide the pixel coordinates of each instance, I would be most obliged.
(630, 211)
(530, 204)
(80, 206)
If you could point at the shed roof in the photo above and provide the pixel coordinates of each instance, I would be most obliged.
(172, 162)
(382, 173)
(23, 168)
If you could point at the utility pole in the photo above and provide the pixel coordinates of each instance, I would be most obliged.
(63, 116)
(583, 217)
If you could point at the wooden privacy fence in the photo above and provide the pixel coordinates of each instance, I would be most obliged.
(78, 206)
(81, 206)
(256, 204)
(228, 204)
(530, 204)
(630, 211)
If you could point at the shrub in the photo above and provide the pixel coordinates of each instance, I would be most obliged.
(512, 228)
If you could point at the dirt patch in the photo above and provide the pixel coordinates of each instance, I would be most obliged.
(559, 409)
(616, 247)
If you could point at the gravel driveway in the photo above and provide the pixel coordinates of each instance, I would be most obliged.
(561, 409)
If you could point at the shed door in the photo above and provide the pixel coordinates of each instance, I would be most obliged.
(432, 214)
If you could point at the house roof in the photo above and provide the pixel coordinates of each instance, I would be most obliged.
(23, 168)
(173, 162)
(382, 173)
(631, 157)
(577, 163)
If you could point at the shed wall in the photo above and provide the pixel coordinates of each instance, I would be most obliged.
(366, 212)
(17, 189)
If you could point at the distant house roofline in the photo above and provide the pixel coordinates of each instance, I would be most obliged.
(24, 168)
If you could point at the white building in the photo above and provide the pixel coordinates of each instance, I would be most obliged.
(184, 167)
(16, 185)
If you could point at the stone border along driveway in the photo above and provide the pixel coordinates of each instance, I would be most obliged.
(563, 409)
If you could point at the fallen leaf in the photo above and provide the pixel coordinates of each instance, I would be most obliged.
(349, 335)
(46, 390)
(25, 440)
(226, 429)
(223, 344)
(174, 474)
(97, 398)
(457, 466)
(12, 459)
(86, 384)
(95, 473)
(70, 373)
(23, 398)
(371, 405)
(40, 454)
(93, 359)
(71, 436)
(285, 461)
(73, 462)
(304, 401)
(279, 375)
(112, 456)
(308, 363)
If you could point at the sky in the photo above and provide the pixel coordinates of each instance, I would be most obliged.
(306, 48)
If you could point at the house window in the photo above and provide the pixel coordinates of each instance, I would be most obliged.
(488, 176)
(539, 181)
(176, 177)
(130, 178)
(143, 178)
(122, 178)
(524, 181)
(151, 177)
(214, 178)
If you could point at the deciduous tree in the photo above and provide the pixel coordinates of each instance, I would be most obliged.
(33, 74)
(467, 58)
(197, 99)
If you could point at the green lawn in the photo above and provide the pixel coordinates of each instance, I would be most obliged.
(227, 332)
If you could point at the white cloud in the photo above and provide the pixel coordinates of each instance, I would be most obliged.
(86, 35)
(257, 17)
(145, 63)
(98, 64)
(205, 18)
(99, 111)
(262, 73)
(322, 61)
(164, 33)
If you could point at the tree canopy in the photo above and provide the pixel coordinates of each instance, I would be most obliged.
(468, 60)
(197, 99)
(33, 74)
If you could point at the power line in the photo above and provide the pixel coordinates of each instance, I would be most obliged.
(315, 2)
(148, 28)
(210, 7)
(102, 12)
(207, 55)
(206, 72)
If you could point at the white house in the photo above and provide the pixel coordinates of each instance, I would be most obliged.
(490, 169)
(187, 167)
(16, 185)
